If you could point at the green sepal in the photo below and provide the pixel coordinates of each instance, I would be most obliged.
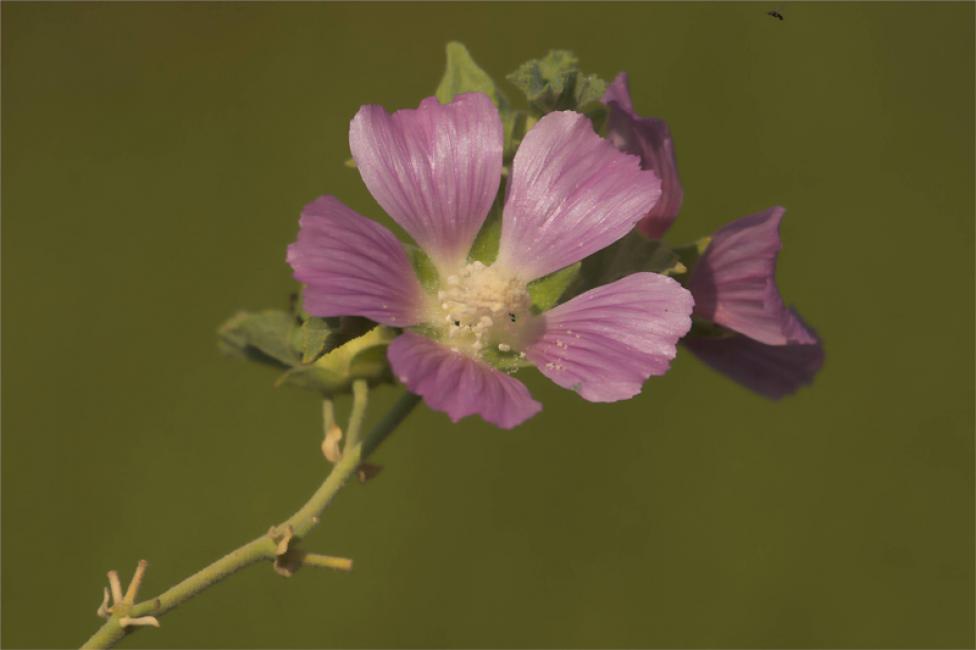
(555, 83)
(363, 357)
(634, 253)
(514, 124)
(485, 246)
(546, 291)
(689, 254)
(708, 330)
(504, 361)
(424, 267)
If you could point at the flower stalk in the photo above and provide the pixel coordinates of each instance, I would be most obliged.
(123, 619)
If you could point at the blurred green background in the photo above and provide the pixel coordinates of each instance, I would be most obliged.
(155, 158)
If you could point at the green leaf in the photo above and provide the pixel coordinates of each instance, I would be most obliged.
(463, 75)
(546, 291)
(555, 83)
(690, 253)
(363, 357)
(633, 254)
(589, 89)
(265, 336)
(315, 336)
(321, 354)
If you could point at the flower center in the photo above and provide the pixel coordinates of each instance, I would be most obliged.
(482, 310)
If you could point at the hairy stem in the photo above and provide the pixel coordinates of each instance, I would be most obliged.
(262, 548)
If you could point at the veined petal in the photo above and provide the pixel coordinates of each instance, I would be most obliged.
(458, 385)
(571, 194)
(771, 370)
(649, 138)
(435, 169)
(734, 282)
(606, 342)
(353, 266)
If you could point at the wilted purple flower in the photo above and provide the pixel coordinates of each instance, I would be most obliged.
(734, 284)
(772, 351)
(650, 139)
(436, 171)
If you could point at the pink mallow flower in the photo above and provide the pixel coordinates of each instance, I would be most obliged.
(436, 171)
(771, 350)
(648, 138)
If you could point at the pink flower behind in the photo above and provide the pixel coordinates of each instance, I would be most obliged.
(436, 171)
(649, 138)
(771, 370)
(734, 284)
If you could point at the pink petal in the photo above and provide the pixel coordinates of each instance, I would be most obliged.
(771, 370)
(606, 342)
(571, 194)
(734, 282)
(353, 266)
(458, 385)
(650, 139)
(435, 169)
(618, 92)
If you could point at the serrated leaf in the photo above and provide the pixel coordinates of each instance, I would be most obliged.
(632, 254)
(463, 75)
(589, 90)
(555, 83)
(546, 291)
(265, 336)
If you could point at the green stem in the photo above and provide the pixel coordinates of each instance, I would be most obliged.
(328, 415)
(262, 548)
(360, 395)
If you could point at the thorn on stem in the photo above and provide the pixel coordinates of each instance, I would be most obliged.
(327, 561)
(285, 541)
(104, 611)
(133, 591)
(150, 621)
(116, 586)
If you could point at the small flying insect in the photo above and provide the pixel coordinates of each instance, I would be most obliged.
(775, 14)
